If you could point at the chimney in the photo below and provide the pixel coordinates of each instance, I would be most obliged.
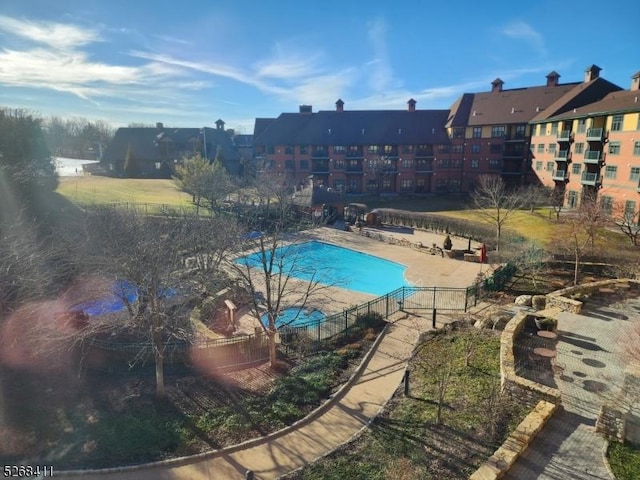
(552, 79)
(306, 109)
(220, 124)
(159, 125)
(339, 105)
(496, 85)
(412, 105)
(591, 73)
(635, 82)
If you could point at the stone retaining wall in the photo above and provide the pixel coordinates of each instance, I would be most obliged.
(562, 298)
(503, 459)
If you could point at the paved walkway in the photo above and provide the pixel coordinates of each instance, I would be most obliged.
(588, 353)
(275, 457)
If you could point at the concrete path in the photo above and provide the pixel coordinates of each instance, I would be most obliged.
(588, 354)
(277, 456)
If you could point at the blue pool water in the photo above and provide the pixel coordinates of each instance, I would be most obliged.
(294, 316)
(336, 266)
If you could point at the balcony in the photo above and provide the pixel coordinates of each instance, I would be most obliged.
(424, 167)
(320, 153)
(561, 156)
(424, 153)
(354, 169)
(560, 175)
(589, 178)
(638, 188)
(320, 167)
(511, 155)
(354, 153)
(593, 157)
(595, 134)
(515, 137)
(564, 136)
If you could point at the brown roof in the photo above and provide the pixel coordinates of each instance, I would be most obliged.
(519, 105)
(615, 102)
(583, 94)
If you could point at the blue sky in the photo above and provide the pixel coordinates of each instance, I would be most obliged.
(189, 62)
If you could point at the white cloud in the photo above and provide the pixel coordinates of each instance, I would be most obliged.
(379, 69)
(523, 31)
(56, 35)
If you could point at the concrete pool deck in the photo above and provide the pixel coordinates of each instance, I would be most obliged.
(423, 269)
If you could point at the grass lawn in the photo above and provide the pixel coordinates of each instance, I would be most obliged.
(406, 441)
(624, 460)
(91, 190)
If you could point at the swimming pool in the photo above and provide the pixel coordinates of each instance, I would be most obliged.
(336, 266)
(294, 316)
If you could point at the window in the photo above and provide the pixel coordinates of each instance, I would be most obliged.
(554, 128)
(406, 184)
(457, 148)
(407, 149)
(304, 149)
(572, 199)
(495, 148)
(372, 186)
(532, 147)
(338, 164)
(616, 123)
(475, 163)
(538, 165)
(475, 148)
(520, 131)
(443, 162)
(607, 204)
(610, 171)
(304, 164)
(494, 164)
(582, 125)
(458, 132)
(636, 149)
(552, 148)
(635, 174)
(477, 132)
(373, 149)
(389, 149)
(339, 149)
(271, 150)
(288, 149)
(614, 148)
(575, 168)
(288, 165)
(407, 163)
(338, 185)
(543, 129)
(497, 131)
(638, 123)
(578, 148)
(443, 148)
(550, 166)
(541, 148)
(629, 208)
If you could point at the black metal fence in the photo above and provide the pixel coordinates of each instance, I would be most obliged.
(237, 352)
(338, 329)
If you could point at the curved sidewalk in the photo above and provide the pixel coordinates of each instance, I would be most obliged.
(276, 456)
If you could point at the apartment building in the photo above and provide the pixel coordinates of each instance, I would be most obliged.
(416, 151)
(593, 151)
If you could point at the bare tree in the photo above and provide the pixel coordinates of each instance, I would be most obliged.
(437, 359)
(592, 216)
(495, 202)
(575, 239)
(192, 176)
(556, 197)
(272, 278)
(145, 254)
(629, 223)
